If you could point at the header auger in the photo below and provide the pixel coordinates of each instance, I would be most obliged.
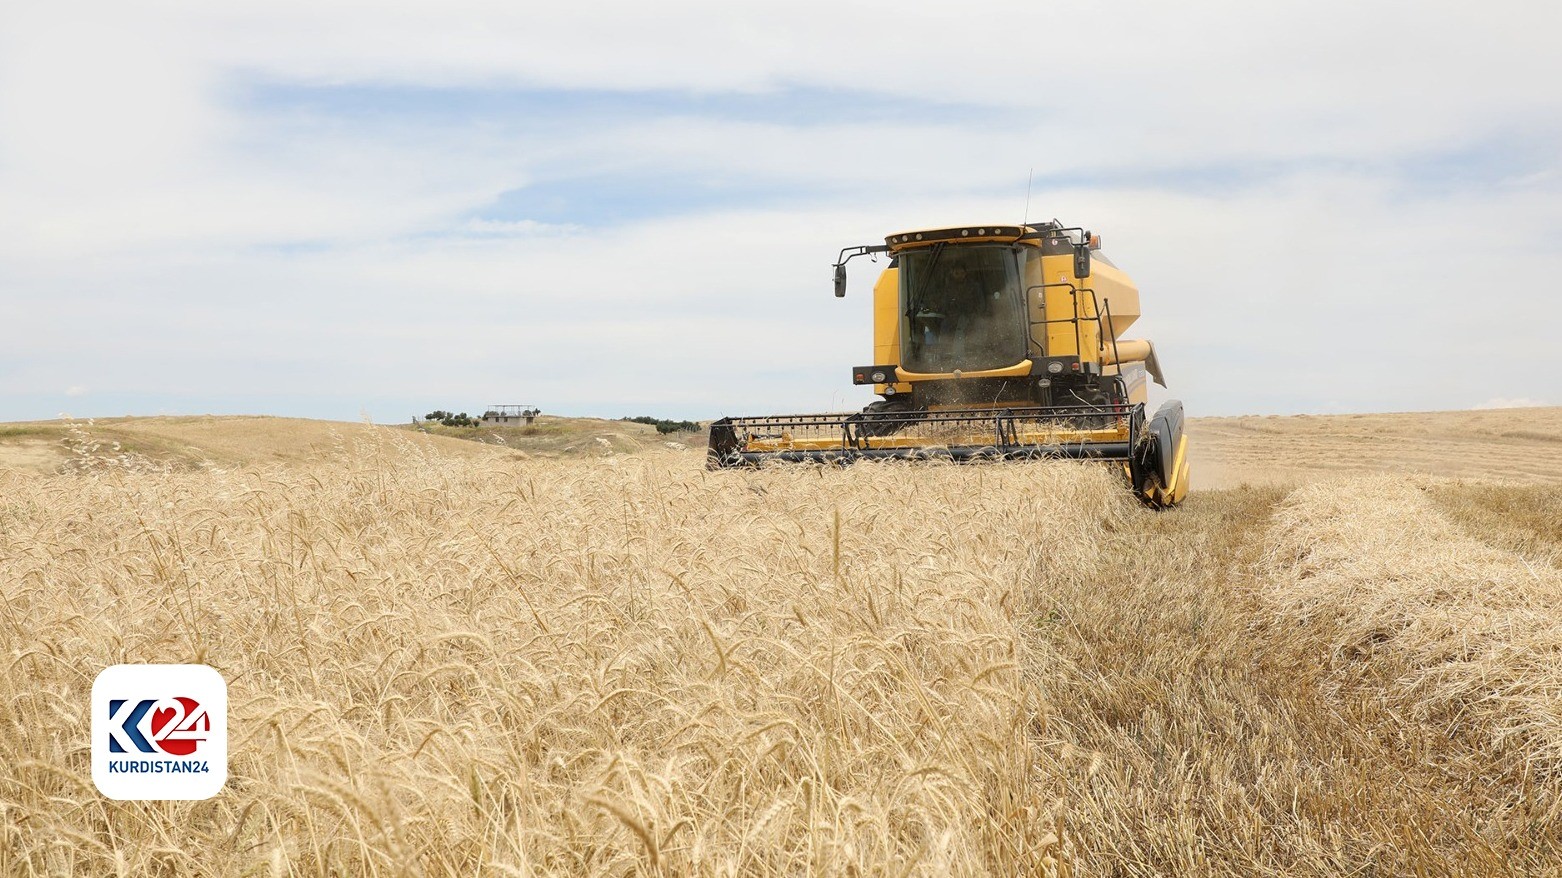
(991, 343)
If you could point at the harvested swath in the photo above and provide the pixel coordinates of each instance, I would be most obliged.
(442, 666)
(1464, 637)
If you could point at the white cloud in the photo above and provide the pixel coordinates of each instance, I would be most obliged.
(156, 231)
(76, 390)
(520, 228)
(1499, 402)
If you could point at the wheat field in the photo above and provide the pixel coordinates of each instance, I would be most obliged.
(445, 662)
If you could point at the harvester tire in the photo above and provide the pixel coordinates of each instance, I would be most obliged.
(867, 423)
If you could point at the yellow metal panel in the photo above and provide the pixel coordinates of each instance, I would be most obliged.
(1035, 305)
(1067, 298)
(886, 324)
(1172, 494)
(1117, 295)
(1018, 370)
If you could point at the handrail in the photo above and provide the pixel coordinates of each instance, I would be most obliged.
(1107, 329)
(1102, 329)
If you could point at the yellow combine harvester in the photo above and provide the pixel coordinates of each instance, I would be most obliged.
(991, 343)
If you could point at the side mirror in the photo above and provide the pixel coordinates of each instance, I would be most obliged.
(840, 280)
(1081, 260)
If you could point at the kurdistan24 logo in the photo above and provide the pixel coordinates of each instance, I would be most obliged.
(173, 726)
(159, 732)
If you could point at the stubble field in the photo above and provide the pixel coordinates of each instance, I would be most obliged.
(445, 659)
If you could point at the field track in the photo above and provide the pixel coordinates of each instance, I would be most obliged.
(1233, 728)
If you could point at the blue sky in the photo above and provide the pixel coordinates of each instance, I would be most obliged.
(330, 211)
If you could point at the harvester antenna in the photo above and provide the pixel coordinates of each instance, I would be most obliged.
(1029, 178)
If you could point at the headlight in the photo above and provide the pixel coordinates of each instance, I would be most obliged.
(878, 377)
(1054, 367)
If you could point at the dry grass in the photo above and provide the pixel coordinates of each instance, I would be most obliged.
(1524, 519)
(1462, 636)
(454, 668)
(458, 665)
(1214, 736)
(1518, 446)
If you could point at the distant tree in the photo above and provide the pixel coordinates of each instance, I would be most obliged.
(665, 426)
(450, 420)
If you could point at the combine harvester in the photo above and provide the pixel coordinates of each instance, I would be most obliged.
(991, 343)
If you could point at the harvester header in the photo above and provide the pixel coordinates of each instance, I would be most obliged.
(992, 342)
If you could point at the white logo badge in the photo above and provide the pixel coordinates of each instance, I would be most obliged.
(159, 732)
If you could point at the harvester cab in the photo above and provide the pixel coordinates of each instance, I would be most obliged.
(992, 343)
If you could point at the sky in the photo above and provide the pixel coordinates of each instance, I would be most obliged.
(357, 210)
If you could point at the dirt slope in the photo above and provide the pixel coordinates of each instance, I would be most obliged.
(552, 437)
(242, 440)
(195, 441)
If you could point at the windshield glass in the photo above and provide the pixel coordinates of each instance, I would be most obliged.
(961, 308)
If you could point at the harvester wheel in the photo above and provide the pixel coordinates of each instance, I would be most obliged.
(882, 417)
